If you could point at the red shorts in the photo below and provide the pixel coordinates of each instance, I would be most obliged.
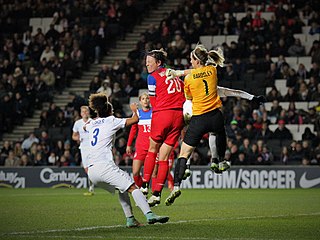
(140, 154)
(166, 126)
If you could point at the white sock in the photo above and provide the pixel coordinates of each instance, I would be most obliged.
(213, 146)
(125, 204)
(91, 186)
(141, 201)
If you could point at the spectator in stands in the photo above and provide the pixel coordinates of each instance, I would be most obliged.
(105, 87)
(274, 94)
(275, 109)
(47, 54)
(296, 49)
(315, 28)
(265, 133)
(4, 152)
(291, 95)
(303, 93)
(282, 132)
(76, 101)
(297, 154)
(95, 84)
(308, 135)
(26, 144)
(11, 160)
(49, 78)
(24, 160)
(232, 129)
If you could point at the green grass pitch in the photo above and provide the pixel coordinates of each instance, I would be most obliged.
(197, 214)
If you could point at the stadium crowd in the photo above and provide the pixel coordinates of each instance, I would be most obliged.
(34, 67)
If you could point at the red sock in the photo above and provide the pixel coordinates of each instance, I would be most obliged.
(170, 180)
(138, 180)
(149, 163)
(162, 175)
(154, 183)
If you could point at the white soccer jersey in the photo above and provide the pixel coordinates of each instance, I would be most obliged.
(101, 134)
(84, 135)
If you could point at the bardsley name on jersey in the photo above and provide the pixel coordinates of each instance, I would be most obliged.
(202, 74)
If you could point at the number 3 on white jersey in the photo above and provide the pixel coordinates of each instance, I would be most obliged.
(174, 85)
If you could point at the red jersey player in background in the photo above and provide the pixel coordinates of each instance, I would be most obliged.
(167, 98)
(141, 131)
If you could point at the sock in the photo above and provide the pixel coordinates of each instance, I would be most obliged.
(138, 180)
(149, 166)
(125, 204)
(213, 146)
(154, 183)
(162, 175)
(179, 170)
(170, 179)
(141, 201)
(91, 186)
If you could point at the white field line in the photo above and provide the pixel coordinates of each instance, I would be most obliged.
(177, 222)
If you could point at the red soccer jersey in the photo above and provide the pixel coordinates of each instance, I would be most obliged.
(168, 94)
(143, 128)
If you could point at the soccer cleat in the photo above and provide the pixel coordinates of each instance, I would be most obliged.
(215, 168)
(144, 190)
(88, 194)
(187, 173)
(154, 200)
(132, 223)
(176, 192)
(153, 218)
(224, 165)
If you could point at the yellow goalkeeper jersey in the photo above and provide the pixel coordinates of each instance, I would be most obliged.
(200, 86)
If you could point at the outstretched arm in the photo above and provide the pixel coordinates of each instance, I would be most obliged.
(135, 118)
(228, 92)
(171, 73)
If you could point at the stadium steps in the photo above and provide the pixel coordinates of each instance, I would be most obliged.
(79, 86)
(124, 46)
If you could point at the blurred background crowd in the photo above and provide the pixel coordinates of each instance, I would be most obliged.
(36, 65)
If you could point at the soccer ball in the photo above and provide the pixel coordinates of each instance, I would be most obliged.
(187, 111)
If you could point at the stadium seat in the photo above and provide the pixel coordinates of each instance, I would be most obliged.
(240, 15)
(302, 105)
(267, 106)
(296, 135)
(134, 100)
(306, 29)
(284, 105)
(218, 40)
(306, 61)
(231, 38)
(35, 22)
(206, 41)
(267, 15)
(280, 84)
(46, 22)
(302, 127)
(292, 61)
(273, 127)
(313, 104)
(313, 37)
(301, 36)
(292, 127)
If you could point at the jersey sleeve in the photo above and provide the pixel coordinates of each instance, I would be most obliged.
(187, 92)
(132, 134)
(227, 92)
(118, 123)
(75, 127)
(151, 85)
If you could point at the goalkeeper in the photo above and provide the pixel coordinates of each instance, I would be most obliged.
(222, 92)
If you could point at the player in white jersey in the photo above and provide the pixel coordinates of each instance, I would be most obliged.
(222, 92)
(79, 134)
(102, 169)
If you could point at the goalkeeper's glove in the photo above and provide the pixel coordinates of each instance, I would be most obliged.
(257, 101)
(171, 73)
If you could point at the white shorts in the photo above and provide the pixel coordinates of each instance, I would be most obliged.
(109, 177)
(84, 157)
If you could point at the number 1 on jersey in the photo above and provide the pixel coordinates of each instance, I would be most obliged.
(206, 87)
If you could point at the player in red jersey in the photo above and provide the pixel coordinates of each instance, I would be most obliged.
(142, 131)
(167, 98)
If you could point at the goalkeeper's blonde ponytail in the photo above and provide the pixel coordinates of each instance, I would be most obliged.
(213, 57)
